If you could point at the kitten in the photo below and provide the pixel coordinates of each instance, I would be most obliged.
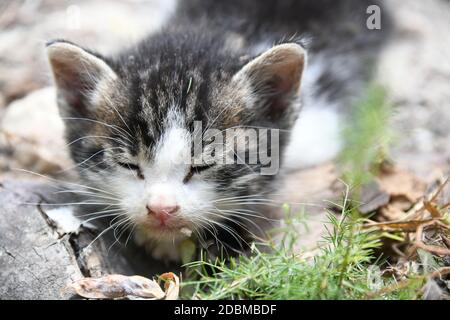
(132, 118)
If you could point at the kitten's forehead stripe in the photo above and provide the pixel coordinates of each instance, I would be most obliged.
(171, 150)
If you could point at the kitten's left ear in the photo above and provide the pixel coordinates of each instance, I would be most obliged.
(274, 78)
(77, 75)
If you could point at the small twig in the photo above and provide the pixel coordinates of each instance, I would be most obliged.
(399, 285)
(406, 226)
(432, 209)
(430, 248)
(439, 190)
(433, 249)
(445, 206)
(440, 272)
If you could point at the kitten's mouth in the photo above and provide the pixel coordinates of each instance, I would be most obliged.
(171, 226)
(166, 227)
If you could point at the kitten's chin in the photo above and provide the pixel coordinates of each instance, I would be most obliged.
(161, 244)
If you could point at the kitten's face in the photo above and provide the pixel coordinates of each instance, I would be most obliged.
(131, 128)
(151, 179)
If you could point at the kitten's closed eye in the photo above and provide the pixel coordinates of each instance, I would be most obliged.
(133, 167)
(196, 169)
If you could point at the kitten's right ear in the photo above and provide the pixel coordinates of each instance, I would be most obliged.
(77, 74)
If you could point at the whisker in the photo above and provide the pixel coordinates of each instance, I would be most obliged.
(226, 214)
(98, 236)
(214, 233)
(124, 222)
(83, 192)
(90, 157)
(63, 182)
(233, 233)
(98, 212)
(118, 129)
(226, 217)
(102, 216)
(92, 136)
(62, 204)
(130, 234)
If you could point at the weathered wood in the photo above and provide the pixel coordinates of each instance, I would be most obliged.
(34, 264)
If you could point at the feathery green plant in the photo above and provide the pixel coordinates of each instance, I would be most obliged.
(345, 268)
(366, 137)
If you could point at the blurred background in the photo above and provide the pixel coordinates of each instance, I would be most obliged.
(30, 131)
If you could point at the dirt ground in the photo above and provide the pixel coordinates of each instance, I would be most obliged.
(416, 70)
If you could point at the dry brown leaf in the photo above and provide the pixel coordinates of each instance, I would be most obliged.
(116, 286)
(432, 210)
(393, 211)
(171, 285)
(392, 193)
(409, 210)
(440, 189)
(372, 198)
(401, 183)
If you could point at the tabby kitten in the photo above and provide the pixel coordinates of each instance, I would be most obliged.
(132, 118)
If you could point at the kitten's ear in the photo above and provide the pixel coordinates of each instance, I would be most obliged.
(274, 77)
(77, 75)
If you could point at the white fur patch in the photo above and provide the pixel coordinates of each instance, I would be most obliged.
(65, 220)
(174, 149)
(316, 135)
(315, 138)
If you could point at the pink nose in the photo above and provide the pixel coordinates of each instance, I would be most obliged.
(162, 213)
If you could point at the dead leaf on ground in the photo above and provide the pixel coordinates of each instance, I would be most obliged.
(171, 285)
(423, 222)
(116, 286)
(401, 183)
(393, 192)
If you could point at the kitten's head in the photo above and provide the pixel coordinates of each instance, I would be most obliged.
(131, 125)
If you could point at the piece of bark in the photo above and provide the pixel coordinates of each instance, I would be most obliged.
(34, 264)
